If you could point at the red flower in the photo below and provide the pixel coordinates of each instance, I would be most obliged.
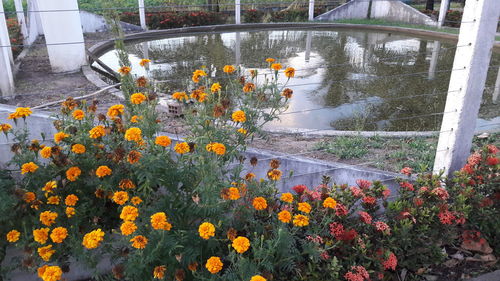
(418, 201)
(336, 230)
(474, 159)
(386, 193)
(406, 185)
(369, 200)
(364, 184)
(299, 189)
(348, 235)
(357, 273)
(441, 193)
(341, 210)
(446, 217)
(356, 192)
(365, 217)
(492, 161)
(407, 171)
(492, 149)
(391, 262)
(486, 202)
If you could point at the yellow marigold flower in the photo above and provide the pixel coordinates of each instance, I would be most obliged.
(234, 193)
(97, 132)
(78, 148)
(126, 184)
(20, 112)
(5, 127)
(198, 95)
(193, 266)
(13, 236)
(274, 174)
(330, 203)
(58, 137)
(206, 230)
(50, 273)
(93, 239)
(120, 197)
(285, 216)
(103, 171)
(139, 242)
(29, 167)
(135, 119)
(116, 110)
(144, 62)
(59, 234)
(49, 186)
(290, 72)
(229, 69)
(137, 98)
(287, 197)
(53, 200)
(78, 114)
(159, 272)
(304, 207)
(249, 87)
(216, 87)
(180, 96)
(259, 203)
(181, 147)
(214, 265)
(133, 134)
(124, 70)
(128, 228)
(46, 252)
(134, 156)
(197, 74)
(136, 200)
(48, 218)
(73, 173)
(41, 235)
(258, 278)
(300, 220)
(159, 221)
(163, 141)
(129, 213)
(46, 152)
(270, 60)
(242, 131)
(70, 212)
(276, 66)
(217, 148)
(239, 116)
(241, 244)
(29, 197)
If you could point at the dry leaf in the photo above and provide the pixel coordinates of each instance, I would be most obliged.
(477, 247)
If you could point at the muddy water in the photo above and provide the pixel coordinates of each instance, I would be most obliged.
(345, 80)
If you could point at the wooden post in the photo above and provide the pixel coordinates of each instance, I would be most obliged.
(472, 58)
(142, 15)
(21, 20)
(6, 77)
(311, 10)
(237, 11)
(442, 12)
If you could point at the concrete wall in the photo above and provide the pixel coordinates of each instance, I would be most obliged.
(381, 9)
(95, 23)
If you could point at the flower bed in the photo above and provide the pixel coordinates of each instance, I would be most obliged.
(16, 38)
(164, 20)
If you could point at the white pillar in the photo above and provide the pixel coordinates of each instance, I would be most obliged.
(307, 55)
(496, 91)
(311, 10)
(434, 60)
(472, 58)
(145, 50)
(142, 15)
(6, 77)
(63, 34)
(238, 49)
(237, 11)
(442, 12)
(21, 19)
(34, 22)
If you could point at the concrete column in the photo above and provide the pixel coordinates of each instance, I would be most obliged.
(21, 19)
(145, 50)
(311, 10)
(496, 91)
(34, 22)
(442, 12)
(237, 47)
(142, 15)
(307, 55)
(63, 34)
(6, 77)
(237, 11)
(472, 58)
(434, 60)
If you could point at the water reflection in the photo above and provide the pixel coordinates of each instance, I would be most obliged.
(345, 80)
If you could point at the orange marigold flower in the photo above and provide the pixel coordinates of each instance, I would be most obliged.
(29, 167)
(159, 221)
(129, 213)
(29, 197)
(20, 112)
(93, 239)
(216, 87)
(134, 156)
(285, 216)
(103, 171)
(259, 203)
(53, 200)
(78, 114)
(70, 212)
(135, 119)
(242, 131)
(78, 148)
(193, 266)
(180, 96)
(229, 69)
(287, 197)
(46, 252)
(139, 242)
(206, 230)
(144, 62)
(133, 134)
(214, 265)
(234, 193)
(141, 81)
(71, 200)
(116, 110)
(249, 87)
(46, 152)
(126, 184)
(274, 174)
(137, 98)
(304, 207)
(59, 234)
(241, 244)
(239, 116)
(136, 200)
(48, 218)
(217, 148)
(124, 70)
(270, 60)
(300, 220)
(128, 228)
(287, 93)
(73, 173)
(159, 272)
(249, 176)
(163, 141)
(50, 273)
(41, 235)
(49, 186)
(97, 132)
(181, 147)
(13, 236)
(198, 95)
(197, 74)
(120, 197)
(330, 203)
(58, 137)
(290, 72)
(276, 66)
(5, 127)
(258, 278)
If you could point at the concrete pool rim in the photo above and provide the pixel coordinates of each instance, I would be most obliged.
(100, 48)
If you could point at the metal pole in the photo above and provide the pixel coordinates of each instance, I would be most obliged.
(442, 12)
(311, 10)
(237, 11)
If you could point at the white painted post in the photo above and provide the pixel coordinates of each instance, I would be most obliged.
(472, 58)
(34, 22)
(434, 60)
(238, 49)
(307, 55)
(6, 77)
(311, 10)
(496, 91)
(21, 20)
(442, 12)
(237, 11)
(142, 15)
(63, 34)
